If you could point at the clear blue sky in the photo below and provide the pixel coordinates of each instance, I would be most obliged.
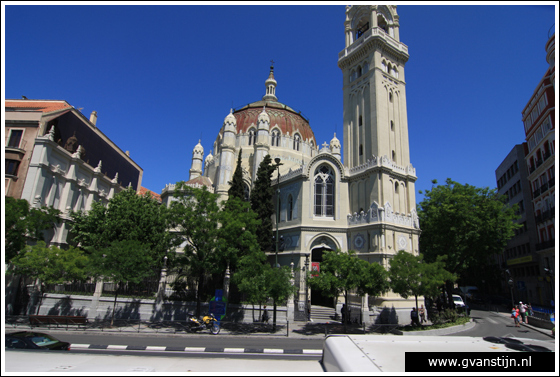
(163, 77)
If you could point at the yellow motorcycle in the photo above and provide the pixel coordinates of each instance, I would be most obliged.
(207, 322)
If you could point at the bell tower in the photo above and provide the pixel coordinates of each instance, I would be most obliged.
(372, 63)
(382, 200)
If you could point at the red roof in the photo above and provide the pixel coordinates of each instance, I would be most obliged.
(144, 190)
(45, 106)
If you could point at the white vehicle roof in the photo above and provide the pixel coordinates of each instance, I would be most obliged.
(386, 353)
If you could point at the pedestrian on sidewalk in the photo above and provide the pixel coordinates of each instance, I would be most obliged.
(414, 317)
(515, 316)
(422, 314)
(265, 315)
(523, 311)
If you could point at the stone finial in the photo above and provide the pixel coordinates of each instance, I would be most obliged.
(98, 168)
(116, 179)
(78, 152)
(50, 136)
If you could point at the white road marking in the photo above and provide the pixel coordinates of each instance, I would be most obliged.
(116, 347)
(77, 345)
(273, 350)
(155, 348)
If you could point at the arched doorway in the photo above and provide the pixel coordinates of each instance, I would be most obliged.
(317, 298)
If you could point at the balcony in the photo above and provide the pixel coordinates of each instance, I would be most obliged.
(376, 32)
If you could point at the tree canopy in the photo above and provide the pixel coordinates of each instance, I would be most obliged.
(196, 218)
(342, 272)
(23, 222)
(262, 203)
(127, 216)
(411, 276)
(466, 223)
(236, 188)
(51, 265)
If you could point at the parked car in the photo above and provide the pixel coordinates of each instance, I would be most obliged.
(460, 304)
(34, 340)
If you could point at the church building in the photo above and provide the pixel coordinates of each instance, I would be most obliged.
(356, 195)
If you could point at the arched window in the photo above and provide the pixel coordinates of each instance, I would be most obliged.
(390, 97)
(392, 126)
(361, 150)
(290, 213)
(275, 138)
(297, 139)
(324, 191)
(252, 136)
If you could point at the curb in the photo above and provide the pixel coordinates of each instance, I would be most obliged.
(444, 331)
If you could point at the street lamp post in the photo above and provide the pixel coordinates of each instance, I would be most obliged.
(510, 283)
(307, 306)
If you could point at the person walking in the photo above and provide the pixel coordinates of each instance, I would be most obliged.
(523, 310)
(414, 317)
(265, 315)
(343, 312)
(515, 316)
(530, 309)
(422, 314)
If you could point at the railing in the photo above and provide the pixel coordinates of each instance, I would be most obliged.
(368, 34)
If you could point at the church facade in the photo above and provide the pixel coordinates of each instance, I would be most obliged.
(359, 195)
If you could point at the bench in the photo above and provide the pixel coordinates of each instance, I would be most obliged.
(58, 320)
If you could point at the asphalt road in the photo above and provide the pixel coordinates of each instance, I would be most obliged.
(499, 324)
(203, 340)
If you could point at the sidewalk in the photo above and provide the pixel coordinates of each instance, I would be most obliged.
(298, 329)
(546, 332)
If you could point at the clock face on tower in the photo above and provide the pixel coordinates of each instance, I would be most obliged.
(402, 243)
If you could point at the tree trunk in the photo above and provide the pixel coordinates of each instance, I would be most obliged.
(274, 317)
(115, 304)
(345, 310)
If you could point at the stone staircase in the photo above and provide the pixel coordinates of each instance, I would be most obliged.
(322, 314)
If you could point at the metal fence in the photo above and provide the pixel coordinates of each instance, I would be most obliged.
(76, 288)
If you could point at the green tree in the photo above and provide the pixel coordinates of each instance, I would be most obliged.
(411, 276)
(236, 188)
(127, 216)
(262, 203)
(278, 286)
(122, 261)
(343, 272)
(51, 265)
(250, 278)
(23, 223)
(196, 218)
(466, 223)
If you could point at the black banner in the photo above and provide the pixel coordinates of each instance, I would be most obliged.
(480, 362)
